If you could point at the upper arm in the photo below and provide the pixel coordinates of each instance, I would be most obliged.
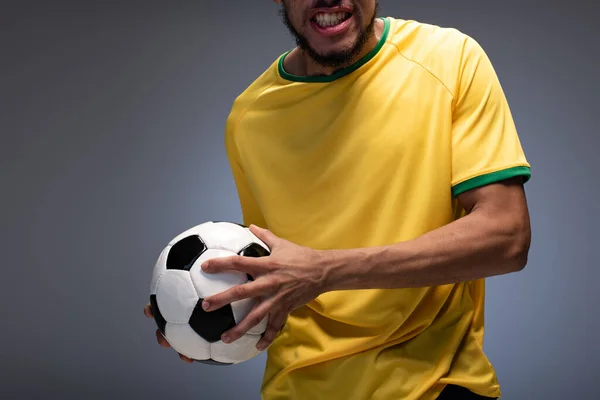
(504, 199)
(502, 207)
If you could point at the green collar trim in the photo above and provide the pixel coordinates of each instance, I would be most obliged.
(343, 72)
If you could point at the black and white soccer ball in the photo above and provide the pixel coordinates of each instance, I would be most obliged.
(179, 285)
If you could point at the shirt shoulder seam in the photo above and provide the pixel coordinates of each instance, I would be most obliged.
(411, 60)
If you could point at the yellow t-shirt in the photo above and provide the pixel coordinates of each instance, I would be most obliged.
(374, 155)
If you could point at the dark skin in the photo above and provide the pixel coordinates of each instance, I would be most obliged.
(492, 239)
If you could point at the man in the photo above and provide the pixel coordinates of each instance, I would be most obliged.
(382, 157)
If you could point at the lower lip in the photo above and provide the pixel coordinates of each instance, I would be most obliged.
(331, 30)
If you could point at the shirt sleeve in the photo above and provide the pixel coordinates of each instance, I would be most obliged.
(485, 144)
(251, 211)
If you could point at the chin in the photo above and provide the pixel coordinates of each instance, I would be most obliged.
(335, 46)
(334, 52)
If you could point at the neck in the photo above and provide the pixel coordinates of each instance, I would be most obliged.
(300, 64)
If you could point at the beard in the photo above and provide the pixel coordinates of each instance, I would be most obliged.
(335, 59)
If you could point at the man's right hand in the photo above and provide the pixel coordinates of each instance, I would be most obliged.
(159, 336)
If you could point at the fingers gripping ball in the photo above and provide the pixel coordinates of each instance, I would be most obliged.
(179, 285)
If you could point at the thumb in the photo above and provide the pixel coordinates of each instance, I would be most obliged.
(268, 237)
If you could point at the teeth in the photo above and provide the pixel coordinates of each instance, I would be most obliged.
(330, 19)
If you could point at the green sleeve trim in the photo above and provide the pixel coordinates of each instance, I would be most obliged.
(492, 177)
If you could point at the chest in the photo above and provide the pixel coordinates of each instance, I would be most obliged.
(354, 130)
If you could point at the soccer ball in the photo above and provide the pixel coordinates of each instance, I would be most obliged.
(179, 285)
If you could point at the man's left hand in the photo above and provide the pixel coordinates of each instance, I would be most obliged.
(287, 279)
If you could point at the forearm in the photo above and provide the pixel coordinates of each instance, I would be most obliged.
(473, 247)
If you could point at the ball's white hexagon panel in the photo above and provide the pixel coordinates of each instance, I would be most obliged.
(187, 342)
(236, 352)
(191, 231)
(225, 236)
(208, 284)
(241, 309)
(159, 268)
(176, 296)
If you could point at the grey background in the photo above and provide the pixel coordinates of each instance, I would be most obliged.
(112, 116)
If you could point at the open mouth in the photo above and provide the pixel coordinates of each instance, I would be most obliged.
(330, 19)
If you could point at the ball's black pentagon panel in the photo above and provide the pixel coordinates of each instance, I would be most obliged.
(158, 318)
(211, 325)
(254, 250)
(185, 252)
(210, 361)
